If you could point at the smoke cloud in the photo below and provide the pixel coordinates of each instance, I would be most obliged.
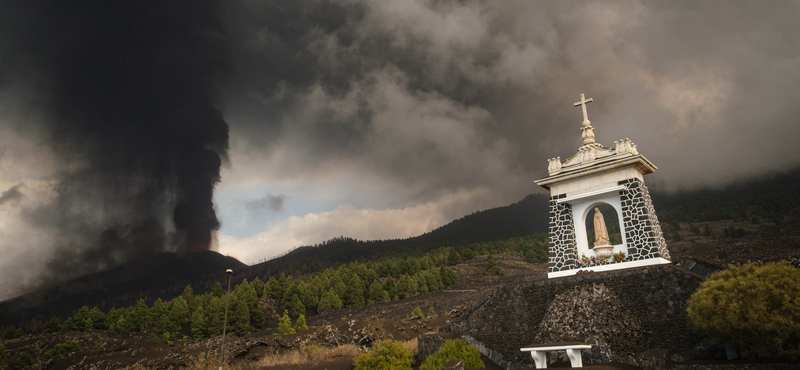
(271, 202)
(11, 195)
(111, 113)
(125, 97)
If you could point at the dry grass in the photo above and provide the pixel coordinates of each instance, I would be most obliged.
(312, 353)
(411, 345)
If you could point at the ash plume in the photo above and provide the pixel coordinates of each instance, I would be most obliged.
(129, 99)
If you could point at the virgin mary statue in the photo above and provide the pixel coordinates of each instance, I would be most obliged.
(600, 231)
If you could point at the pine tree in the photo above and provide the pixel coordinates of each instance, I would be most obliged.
(285, 324)
(199, 327)
(122, 326)
(242, 314)
(406, 287)
(98, 319)
(247, 293)
(272, 289)
(453, 258)
(329, 301)
(341, 290)
(80, 319)
(52, 326)
(24, 360)
(215, 315)
(188, 294)
(300, 325)
(422, 285)
(285, 283)
(376, 292)
(217, 290)
(164, 326)
(258, 287)
(3, 364)
(140, 319)
(354, 296)
(293, 303)
(452, 275)
(445, 277)
(311, 293)
(158, 311)
(492, 268)
(13, 333)
(390, 288)
(179, 312)
(111, 319)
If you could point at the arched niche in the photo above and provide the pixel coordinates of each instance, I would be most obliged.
(583, 207)
(611, 216)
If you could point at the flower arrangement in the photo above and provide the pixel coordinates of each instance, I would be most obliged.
(618, 257)
(598, 261)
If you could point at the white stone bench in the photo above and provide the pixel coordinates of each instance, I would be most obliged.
(538, 352)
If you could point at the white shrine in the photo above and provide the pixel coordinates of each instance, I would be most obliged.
(594, 176)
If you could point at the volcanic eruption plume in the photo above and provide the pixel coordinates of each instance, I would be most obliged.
(128, 91)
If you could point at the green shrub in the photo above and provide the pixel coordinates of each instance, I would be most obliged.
(3, 364)
(492, 268)
(756, 308)
(300, 325)
(52, 326)
(385, 355)
(13, 333)
(24, 360)
(285, 324)
(417, 312)
(454, 349)
(62, 350)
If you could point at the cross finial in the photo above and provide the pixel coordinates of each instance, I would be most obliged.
(582, 104)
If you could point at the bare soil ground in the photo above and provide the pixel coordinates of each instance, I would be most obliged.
(389, 320)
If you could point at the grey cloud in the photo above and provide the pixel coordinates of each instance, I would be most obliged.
(125, 96)
(431, 96)
(270, 202)
(11, 195)
(691, 83)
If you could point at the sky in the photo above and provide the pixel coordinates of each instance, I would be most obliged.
(368, 119)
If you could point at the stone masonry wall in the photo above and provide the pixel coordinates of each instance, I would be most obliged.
(642, 231)
(563, 250)
(656, 296)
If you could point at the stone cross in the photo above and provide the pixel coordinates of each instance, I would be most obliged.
(582, 104)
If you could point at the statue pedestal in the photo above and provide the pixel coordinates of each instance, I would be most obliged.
(603, 251)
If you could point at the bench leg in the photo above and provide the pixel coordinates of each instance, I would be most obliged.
(575, 357)
(540, 358)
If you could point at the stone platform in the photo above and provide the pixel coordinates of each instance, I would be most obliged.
(622, 313)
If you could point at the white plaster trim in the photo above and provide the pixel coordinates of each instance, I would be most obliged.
(641, 163)
(591, 194)
(611, 267)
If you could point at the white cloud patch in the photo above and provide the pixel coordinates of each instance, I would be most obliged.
(345, 220)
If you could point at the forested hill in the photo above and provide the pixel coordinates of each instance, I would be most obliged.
(500, 224)
(525, 217)
(770, 198)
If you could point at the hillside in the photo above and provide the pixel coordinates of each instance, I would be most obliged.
(696, 223)
(165, 278)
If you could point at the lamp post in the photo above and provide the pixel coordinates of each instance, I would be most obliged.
(225, 323)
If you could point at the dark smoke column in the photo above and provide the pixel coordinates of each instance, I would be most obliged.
(131, 96)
